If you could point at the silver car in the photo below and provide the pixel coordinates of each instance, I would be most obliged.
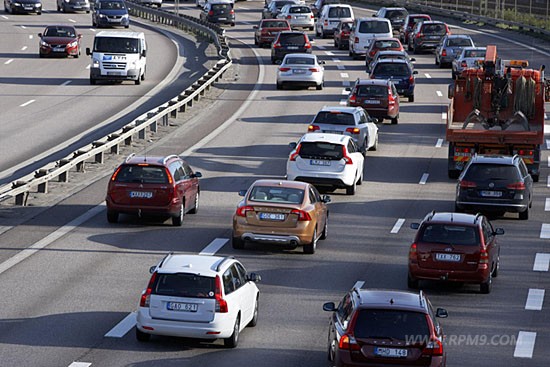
(467, 59)
(299, 16)
(450, 48)
(301, 69)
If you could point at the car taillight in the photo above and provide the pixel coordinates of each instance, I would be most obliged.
(241, 211)
(276, 45)
(444, 53)
(484, 257)
(516, 186)
(356, 40)
(352, 98)
(221, 304)
(391, 98)
(467, 184)
(284, 69)
(419, 35)
(146, 296)
(326, 23)
(232, 11)
(169, 176)
(312, 16)
(464, 64)
(411, 79)
(433, 348)
(413, 255)
(372, 53)
(353, 130)
(211, 12)
(302, 215)
(296, 153)
(113, 177)
(312, 128)
(288, 17)
(346, 158)
(348, 342)
(314, 70)
(307, 45)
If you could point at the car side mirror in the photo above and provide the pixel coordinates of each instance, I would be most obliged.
(292, 145)
(441, 312)
(415, 72)
(348, 89)
(144, 53)
(374, 15)
(152, 269)
(322, 62)
(88, 51)
(329, 306)
(255, 27)
(451, 91)
(412, 59)
(39, 34)
(242, 192)
(326, 199)
(499, 231)
(197, 175)
(415, 225)
(253, 277)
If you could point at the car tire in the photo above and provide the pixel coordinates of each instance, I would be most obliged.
(350, 190)
(254, 320)
(233, 340)
(41, 55)
(141, 336)
(310, 28)
(412, 283)
(395, 120)
(92, 81)
(360, 180)
(309, 248)
(319, 86)
(138, 80)
(374, 148)
(453, 173)
(195, 209)
(535, 178)
(237, 243)
(437, 62)
(87, 12)
(256, 43)
(279, 86)
(497, 266)
(112, 216)
(38, 13)
(177, 221)
(325, 229)
(411, 98)
(58, 8)
(524, 215)
(336, 44)
(317, 34)
(487, 286)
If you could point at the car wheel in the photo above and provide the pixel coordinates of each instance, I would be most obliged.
(497, 266)
(395, 120)
(437, 62)
(335, 44)
(310, 247)
(233, 340)
(486, 287)
(524, 215)
(141, 336)
(92, 81)
(332, 350)
(178, 220)
(254, 320)
(360, 180)
(112, 216)
(319, 86)
(256, 41)
(41, 55)
(279, 86)
(195, 209)
(325, 229)
(375, 146)
(237, 243)
(138, 80)
(412, 283)
(38, 13)
(317, 34)
(535, 178)
(58, 8)
(87, 12)
(411, 98)
(453, 173)
(77, 55)
(350, 190)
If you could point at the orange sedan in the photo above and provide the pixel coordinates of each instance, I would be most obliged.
(288, 213)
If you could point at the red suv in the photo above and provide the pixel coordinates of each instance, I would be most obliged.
(164, 186)
(378, 97)
(455, 247)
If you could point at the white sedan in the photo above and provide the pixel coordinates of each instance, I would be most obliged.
(301, 69)
(298, 15)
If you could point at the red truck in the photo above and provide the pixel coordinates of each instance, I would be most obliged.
(496, 108)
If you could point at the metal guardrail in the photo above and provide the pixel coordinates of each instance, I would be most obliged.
(111, 143)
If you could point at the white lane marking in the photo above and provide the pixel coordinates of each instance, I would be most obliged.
(535, 299)
(27, 103)
(54, 236)
(336, 60)
(548, 147)
(123, 326)
(344, 75)
(5, 17)
(340, 67)
(329, 53)
(397, 225)
(428, 76)
(8, 62)
(424, 179)
(248, 23)
(358, 284)
(542, 262)
(66, 83)
(444, 115)
(80, 364)
(547, 205)
(545, 230)
(545, 116)
(439, 94)
(321, 47)
(92, 29)
(345, 92)
(31, 36)
(345, 83)
(23, 27)
(214, 246)
(89, 66)
(343, 102)
(25, 47)
(72, 20)
(439, 143)
(525, 344)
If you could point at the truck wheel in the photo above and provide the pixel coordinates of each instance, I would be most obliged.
(411, 98)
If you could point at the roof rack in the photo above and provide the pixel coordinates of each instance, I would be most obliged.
(130, 157)
(170, 254)
(357, 287)
(169, 157)
(227, 258)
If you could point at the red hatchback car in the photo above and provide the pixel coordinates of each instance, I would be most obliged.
(378, 97)
(162, 186)
(59, 40)
(268, 29)
(455, 247)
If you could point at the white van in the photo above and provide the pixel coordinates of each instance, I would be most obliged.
(118, 56)
(364, 31)
(330, 16)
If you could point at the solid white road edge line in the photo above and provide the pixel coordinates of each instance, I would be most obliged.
(397, 226)
(542, 262)
(214, 246)
(424, 179)
(123, 327)
(525, 344)
(545, 230)
(27, 103)
(439, 143)
(535, 299)
(80, 364)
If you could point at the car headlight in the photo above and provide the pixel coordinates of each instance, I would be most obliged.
(45, 44)
(67, 1)
(38, 5)
(73, 44)
(17, 4)
(125, 16)
(102, 15)
(95, 63)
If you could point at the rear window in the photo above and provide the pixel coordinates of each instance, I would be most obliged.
(414, 20)
(450, 234)
(300, 61)
(459, 42)
(274, 24)
(292, 39)
(395, 324)
(339, 12)
(221, 6)
(184, 285)
(391, 69)
(299, 10)
(437, 29)
(142, 174)
(376, 91)
(320, 150)
(276, 194)
(477, 172)
(386, 44)
(334, 118)
(280, 4)
(474, 53)
(383, 57)
(396, 14)
(374, 26)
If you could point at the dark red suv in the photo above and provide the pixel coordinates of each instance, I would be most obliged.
(455, 247)
(378, 97)
(163, 186)
(385, 328)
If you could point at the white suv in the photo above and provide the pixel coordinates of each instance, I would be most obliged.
(326, 160)
(198, 296)
(364, 31)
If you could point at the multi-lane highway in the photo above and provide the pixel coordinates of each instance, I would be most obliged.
(70, 281)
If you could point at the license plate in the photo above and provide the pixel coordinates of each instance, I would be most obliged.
(318, 162)
(447, 257)
(391, 352)
(333, 132)
(272, 216)
(77, 7)
(180, 306)
(59, 49)
(298, 71)
(433, 37)
(371, 101)
(113, 20)
(292, 47)
(141, 194)
(223, 18)
(114, 73)
(301, 17)
(28, 8)
(491, 194)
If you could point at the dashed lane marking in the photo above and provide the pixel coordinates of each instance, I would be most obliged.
(428, 76)
(439, 143)
(89, 66)
(8, 62)
(424, 179)
(329, 53)
(92, 29)
(72, 20)
(5, 17)
(547, 205)
(439, 94)
(31, 36)
(535, 299)
(525, 344)
(66, 83)
(340, 67)
(397, 226)
(27, 103)
(336, 60)
(80, 364)
(545, 230)
(343, 102)
(123, 327)
(23, 27)
(542, 262)
(214, 246)
(345, 83)
(444, 115)
(25, 47)
(346, 75)
(345, 92)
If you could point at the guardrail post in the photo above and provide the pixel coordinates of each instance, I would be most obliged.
(43, 187)
(20, 199)
(142, 134)
(115, 149)
(79, 165)
(128, 140)
(63, 176)
(99, 156)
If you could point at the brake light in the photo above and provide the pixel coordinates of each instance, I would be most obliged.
(211, 12)
(312, 16)
(463, 64)
(413, 255)
(113, 177)
(516, 186)
(433, 348)
(356, 40)
(241, 211)
(312, 128)
(484, 257)
(221, 304)
(353, 130)
(411, 79)
(326, 23)
(348, 342)
(296, 153)
(284, 69)
(467, 184)
(346, 158)
(444, 53)
(276, 45)
(307, 45)
(391, 99)
(352, 98)
(169, 175)
(419, 35)
(146, 296)
(288, 17)
(303, 216)
(525, 152)
(232, 11)
(372, 53)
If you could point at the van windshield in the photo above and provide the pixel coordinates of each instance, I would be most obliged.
(111, 5)
(374, 27)
(116, 45)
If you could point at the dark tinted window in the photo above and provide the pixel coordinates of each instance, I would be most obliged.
(414, 20)
(376, 91)
(391, 69)
(222, 8)
(400, 57)
(111, 5)
(474, 53)
(279, 4)
(450, 234)
(373, 26)
(116, 44)
(299, 60)
(396, 14)
(459, 42)
(292, 39)
(60, 32)
(228, 282)
(437, 29)
(401, 325)
(386, 44)
(184, 285)
(482, 172)
(274, 24)
(276, 194)
(334, 118)
(299, 10)
(339, 12)
(142, 174)
(321, 151)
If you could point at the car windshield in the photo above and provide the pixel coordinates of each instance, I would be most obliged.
(391, 69)
(386, 44)
(450, 234)
(274, 24)
(299, 61)
(477, 172)
(339, 12)
(391, 324)
(142, 174)
(321, 150)
(459, 42)
(437, 29)
(375, 91)
(374, 27)
(396, 14)
(334, 118)
(184, 285)
(292, 39)
(59, 32)
(276, 194)
(474, 53)
(116, 45)
(111, 5)
(299, 10)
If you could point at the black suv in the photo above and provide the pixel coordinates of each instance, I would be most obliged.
(400, 72)
(289, 42)
(495, 183)
(385, 327)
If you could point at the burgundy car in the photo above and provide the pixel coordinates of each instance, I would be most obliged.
(59, 40)
(408, 25)
(341, 35)
(378, 97)
(268, 29)
(162, 186)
